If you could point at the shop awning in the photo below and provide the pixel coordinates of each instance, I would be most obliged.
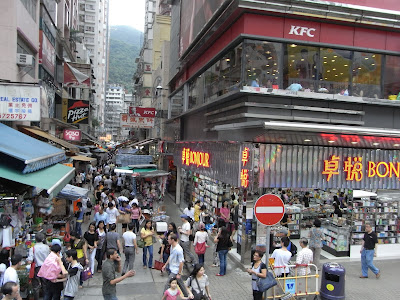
(143, 142)
(83, 158)
(37, 132)
(52, 179)
(72, 192)
(25, 153)
(141, 172)
(361, 194)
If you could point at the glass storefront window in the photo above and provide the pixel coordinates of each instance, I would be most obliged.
(196, 92)
(333, 70)
(303, 67)
(176, 104)
(392, 75)
(263, 66)
(224, 76)
(366, 73)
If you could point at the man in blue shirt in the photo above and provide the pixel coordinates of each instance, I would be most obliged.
(101, 216)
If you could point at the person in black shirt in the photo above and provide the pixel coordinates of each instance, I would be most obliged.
(368, 251)
(306, 199)
(337, 210)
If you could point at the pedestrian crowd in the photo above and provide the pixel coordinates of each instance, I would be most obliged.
(62, 269)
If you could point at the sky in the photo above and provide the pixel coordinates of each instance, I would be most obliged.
(127, 12)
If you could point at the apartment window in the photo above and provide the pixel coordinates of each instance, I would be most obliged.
(30, 6)
(89, 28)
(23, 48)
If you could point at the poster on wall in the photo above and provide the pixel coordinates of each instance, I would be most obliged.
(75, 111)
(196, 15)
(128, 121)
(19, 103)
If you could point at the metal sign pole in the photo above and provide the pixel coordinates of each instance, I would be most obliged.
(268, 242)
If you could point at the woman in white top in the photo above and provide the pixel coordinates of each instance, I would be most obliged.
(282, 257)
(200, 242)
(198, 282)
(189, 211)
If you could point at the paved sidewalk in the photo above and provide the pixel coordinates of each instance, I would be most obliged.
(148, 284)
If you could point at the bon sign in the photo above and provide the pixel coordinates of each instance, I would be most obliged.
(269, 209)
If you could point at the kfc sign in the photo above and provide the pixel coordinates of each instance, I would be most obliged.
(142, 111)
(72, 135)
(299, 30)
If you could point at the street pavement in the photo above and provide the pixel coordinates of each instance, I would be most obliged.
(148, 284)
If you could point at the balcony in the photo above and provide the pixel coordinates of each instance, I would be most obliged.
(90, 8)
(90, 19)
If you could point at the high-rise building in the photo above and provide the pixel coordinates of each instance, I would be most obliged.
(93, 28)
(114, 106)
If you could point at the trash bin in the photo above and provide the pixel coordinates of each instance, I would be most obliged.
(332, 281)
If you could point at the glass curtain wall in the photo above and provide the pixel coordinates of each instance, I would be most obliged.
(263, 67)
(254, 65)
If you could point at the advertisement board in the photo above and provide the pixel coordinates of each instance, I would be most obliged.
(72, 135)
(47, 53)
(142, 111)
(128, 121)
(194, 16)
(75, 111)
(19, 103)
(77, 74)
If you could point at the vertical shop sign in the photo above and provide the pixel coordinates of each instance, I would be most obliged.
(244, 171)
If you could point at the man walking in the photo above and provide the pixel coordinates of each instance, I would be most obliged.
(129, 249)
(38, 254)
(368, 251)
(110, 266)
(175, 262)
(304, 257)
(10, 291)
(185, 231)
(101, 215)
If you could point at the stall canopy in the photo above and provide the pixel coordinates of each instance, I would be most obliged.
(72, 192)
(83, 158)
(52, 179)
(24, 153)
(144, 171)
(37, 132)
(360, 194)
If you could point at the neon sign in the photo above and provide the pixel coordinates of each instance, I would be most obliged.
(190, 157)
(354, 168)
(244, 172)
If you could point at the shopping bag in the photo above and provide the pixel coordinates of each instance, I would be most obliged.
(266, 283)
(50, 268)
(86, 274)
(124, 218)
(32, 270)
(158, 265)
(200, 248)
(140, 243)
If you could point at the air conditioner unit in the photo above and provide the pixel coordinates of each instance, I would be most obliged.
(24, 59)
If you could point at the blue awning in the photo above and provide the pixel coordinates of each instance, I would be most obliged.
(26, 154)
(52, 179)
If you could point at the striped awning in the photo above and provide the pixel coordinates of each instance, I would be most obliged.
(26, 154)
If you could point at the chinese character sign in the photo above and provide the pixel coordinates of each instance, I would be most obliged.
(354, 168)
(19, 103)
(244, 177)
(128, 121)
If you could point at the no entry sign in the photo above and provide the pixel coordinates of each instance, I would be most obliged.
(269, 209)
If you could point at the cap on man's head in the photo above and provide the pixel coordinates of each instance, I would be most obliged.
(183, 216)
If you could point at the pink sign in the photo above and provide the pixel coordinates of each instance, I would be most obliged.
(72, 135)
(142, 111)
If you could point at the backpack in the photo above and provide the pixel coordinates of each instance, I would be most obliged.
(292, 249)
(89, 204)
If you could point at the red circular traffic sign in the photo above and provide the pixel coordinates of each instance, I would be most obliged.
(269, 209)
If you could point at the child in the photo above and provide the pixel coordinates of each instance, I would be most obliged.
(173, 292)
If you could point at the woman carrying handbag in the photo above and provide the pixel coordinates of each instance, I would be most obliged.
(198, 283)
(258, 270)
